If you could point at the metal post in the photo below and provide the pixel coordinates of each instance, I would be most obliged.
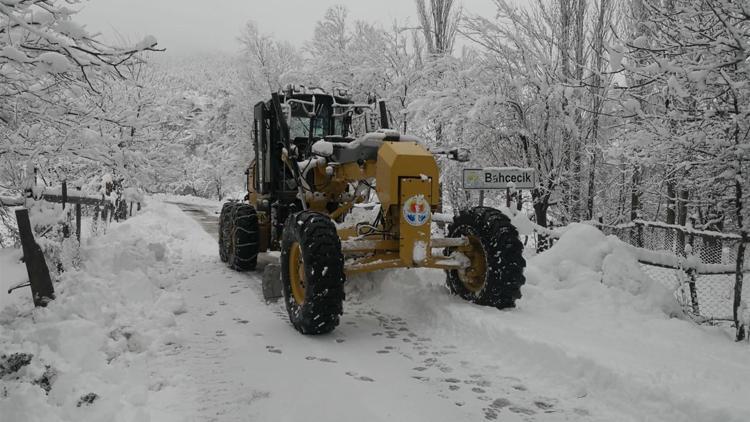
(507, 198)
(78, 219)
(36, 267)
(64, 193)
(692, 276)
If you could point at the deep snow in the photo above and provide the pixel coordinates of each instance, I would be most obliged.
(158, 328)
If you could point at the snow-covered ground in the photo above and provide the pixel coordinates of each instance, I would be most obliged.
(157, 328)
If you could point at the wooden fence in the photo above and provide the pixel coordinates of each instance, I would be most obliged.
(104, 210)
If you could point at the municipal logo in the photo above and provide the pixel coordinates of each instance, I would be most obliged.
(416, 210)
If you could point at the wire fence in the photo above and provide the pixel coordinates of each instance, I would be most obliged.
(701, 266)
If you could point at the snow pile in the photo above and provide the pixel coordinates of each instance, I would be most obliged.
(323, 148)
(590, 325)
(85, 357)
(584, 259)
(13, 272)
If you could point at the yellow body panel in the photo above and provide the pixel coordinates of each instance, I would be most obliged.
(404, 159)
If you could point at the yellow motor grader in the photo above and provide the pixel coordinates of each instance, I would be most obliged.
(309, 172)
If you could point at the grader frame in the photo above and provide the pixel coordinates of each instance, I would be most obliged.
(306, 177)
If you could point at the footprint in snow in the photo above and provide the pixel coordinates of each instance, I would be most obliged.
(326, 360)
(521, 410)
(479, 382)
(220, 333)
(491, 412)
(211, 313)
(340, 340)
(544, 405)
(272, 349)
(222, 303)
(360, 378)
(240, 321)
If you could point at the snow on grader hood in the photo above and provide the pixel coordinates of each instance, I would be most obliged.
(308, 173)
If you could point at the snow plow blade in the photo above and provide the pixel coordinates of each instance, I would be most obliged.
(272, 283)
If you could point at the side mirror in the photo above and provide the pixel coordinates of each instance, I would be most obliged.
(461, 155)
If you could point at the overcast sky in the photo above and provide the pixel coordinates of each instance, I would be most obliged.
(184, 26)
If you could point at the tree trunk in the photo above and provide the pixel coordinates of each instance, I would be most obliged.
(597, 93)
(635, 194)
(671, 217)
(541, 205)
(740, 266)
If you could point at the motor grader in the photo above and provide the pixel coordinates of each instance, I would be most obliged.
(310, 171)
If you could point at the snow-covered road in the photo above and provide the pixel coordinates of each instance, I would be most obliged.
(242, 360)
(159, 329)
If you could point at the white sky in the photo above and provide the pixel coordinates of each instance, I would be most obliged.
(186, 26)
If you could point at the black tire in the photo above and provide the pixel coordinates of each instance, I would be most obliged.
(493, 232)
(224, 230)
(242, 251)
(322, 263)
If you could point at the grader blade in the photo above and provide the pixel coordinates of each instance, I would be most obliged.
(272, 283)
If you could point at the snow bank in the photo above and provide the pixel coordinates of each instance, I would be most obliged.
(90, 348)
(585, 259)
(12, 272)
(592, 325)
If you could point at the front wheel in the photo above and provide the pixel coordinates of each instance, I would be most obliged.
(312, 272)
(495, 275)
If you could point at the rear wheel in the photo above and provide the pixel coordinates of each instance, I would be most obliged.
(242, 248)
(312, 272)
(495, 274)
(224, 229)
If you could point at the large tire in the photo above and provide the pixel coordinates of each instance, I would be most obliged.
(312, 272)
(242, 251)
(224, 230)
(495, 281)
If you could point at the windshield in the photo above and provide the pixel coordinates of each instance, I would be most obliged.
(299, 127)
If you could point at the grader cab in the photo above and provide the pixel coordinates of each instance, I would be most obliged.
(310, 171)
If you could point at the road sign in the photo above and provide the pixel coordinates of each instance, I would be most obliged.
(500, 178)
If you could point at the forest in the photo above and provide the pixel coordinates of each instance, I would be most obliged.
(627, 109)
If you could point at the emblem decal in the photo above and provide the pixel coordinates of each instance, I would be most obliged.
(416, 210)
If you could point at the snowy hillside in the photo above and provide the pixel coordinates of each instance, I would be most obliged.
(155, 326)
